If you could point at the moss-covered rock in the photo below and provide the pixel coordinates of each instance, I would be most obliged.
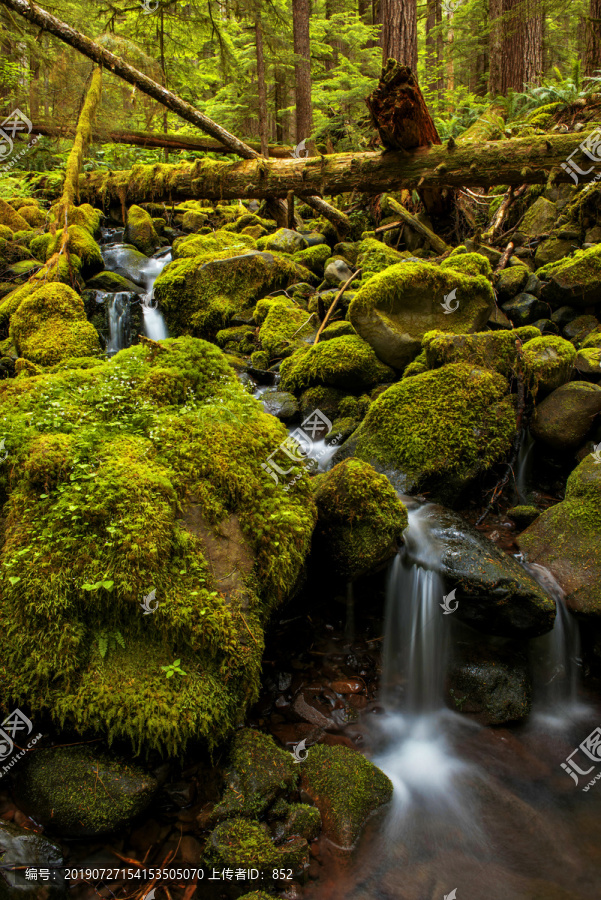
(511, 281)
(373, 256)
(58, 787)
(326, 399)
(496, 350)
(548, 362)
(566, 539)
(336, 329)
(565, 417)
(240, 842)
(348, 363)
(34, 217)
(160, 489)
(112, 283)
(283, 241)
(11, 218)
(83, 245)
(200, 244)
(440, 429)
(523, 515)
(346, 788)
(258, 772)
(140, 231)
(575, 281)
(200, 295)
(360, 519)
(313, 258)
(492, 684)
(285, 327)
(460, 260)
(394, 310)
(539, 218)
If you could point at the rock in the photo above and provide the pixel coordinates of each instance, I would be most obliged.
(437, 431)
(202, 293)
(588, 361)
(548, 362)
(313, 238)
(283, 241)
(498, 319)
(20, 847)
(552, 250)
(326, 399)
(346, 788)
(82, 244)
(242, 843)
(533, 285)
(546, 326)
(280, 404)
(200, 244)
(360, 519)
(98, 306)
(593, 235)
(539, 218)
(127, 262)
(394, 309)
(50, 325)
(11, 218)
(161, 454)
(58, 787)
(258, 772)
(347, 363)
(524, 309)
(140, 231)
(565, 417)
(563, 315)
(489, 253)
(303, 821)
(566, 540)
(337, 272)
(336, 329)
(578, 329)
(491, 683)
(313, 258)
(523, 515)
(489, 349)
(112, 283)
(575, 281)
(284, 326)
(510, 282)
(373, 256)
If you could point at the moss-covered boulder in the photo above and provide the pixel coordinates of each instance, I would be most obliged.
(394, 309)
(575, 281)
(285, 240)
(347, 363)
(511, 281)
(34, 217)
(497, 350)
(199, 295)
(566, 539)
(313, 258)
(373, 256)
(50, 325)
(539, 218)
(346, 788)
(438, 430)
(83, 245)
(112, 283)
(360, 519)
(143, 474)
(548, 362)
(58, 787)
(258, 772)
(564, 418)
(11, 218)
(198, 244)
(240, 842)
(285, 327)
(140, 231)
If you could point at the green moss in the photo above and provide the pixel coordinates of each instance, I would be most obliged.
(346, 789)
(284, 328)
(313, 258)
(420, 363)
(468, 263)
(456, 420)
(200, 244)
(34, 217)
(360, 518)
(353, 407)
(83, 245)
(543, 115)
(50, 324)
(374, 256)
(6, 233)
(548, 362)
(140, 231)
(10, 218)
(239, 842)
(259, 359)
(348, 363)
(57, 269)
(497, 350)
(160, 487)
(303, 820)
(337, 329)
(580, 270)
(39, 246)
(326, 399)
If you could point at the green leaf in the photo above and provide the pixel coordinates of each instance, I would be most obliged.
(170, 673)
(108, 585)
(103, 645)
(14, 579)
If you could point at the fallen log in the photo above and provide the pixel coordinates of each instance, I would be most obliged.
(80, 145)
(518, 161)
(437, 244)
(170, 141)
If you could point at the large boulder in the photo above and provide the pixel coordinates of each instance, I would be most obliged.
(140, 231)
(200, 295)
(539, 218)
(491, 684)
(393, 310)
(143, 477)
(437, 431)
(197, 244)
(496, 350)
(575, 281)
(58, 788)
(565, 417)
(284, 326)
(566, 539)
(360, 519)
(347, 363)
(548, 362)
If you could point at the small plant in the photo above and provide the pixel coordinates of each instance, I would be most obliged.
(108, 640)
(174, 667)
(107, 585)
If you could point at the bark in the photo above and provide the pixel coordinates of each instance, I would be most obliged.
(80, 145)
(450, 63)
(495, 11)
(592, 53)
(399, 32)
(519, 161)
(261, 88)
(533, 42)
(151, 139)
(432, 59)
(522, 44)
(279, 102)
(399, 111)
(302, 70)
(437, 244)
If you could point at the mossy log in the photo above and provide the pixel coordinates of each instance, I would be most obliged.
(437, 244)
(518, 161)
(169, 141)
(80, 144)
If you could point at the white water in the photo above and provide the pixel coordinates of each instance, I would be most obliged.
(118, 314)
(523, 466)
(154, 323)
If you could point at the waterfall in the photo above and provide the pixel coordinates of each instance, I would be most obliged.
(118, 321)
(523, 466)
(154, 323)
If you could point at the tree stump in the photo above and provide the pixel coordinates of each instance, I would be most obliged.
(399, 112)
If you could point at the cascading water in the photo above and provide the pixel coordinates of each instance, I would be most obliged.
(154, 323)
(523, 466)
(118, 318)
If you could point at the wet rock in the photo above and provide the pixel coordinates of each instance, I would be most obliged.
(393, 310)
(284, 241)
(313, 238)
(58, 787)
(112, 283)
(523, 515)
(546, 326)
(491, 683)
(20, 847)
(128, 262)
(337, 272)
(281, 404)
(524, 309)
(565, 417)
(140, 231)
(579, 328)
(302, 820)
(566, 539)
(346, 788)
(539, 218)
(248, 844)
(563, 315)
(494, 592)
(360, 519)
(510, 282)
(575, 281)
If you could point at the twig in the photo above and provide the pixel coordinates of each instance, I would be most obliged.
(248, 629)
(334, 303)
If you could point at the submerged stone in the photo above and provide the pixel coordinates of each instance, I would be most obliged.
(490, 684)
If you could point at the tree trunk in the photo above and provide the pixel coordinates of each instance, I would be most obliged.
(80, 145)
(592, 55)
(450, 62)
(495, 80)
(279, 102)
(302, 71)
(399, 112)
(261, 89)
(518, 161)
(399, 32)
(432, 60)
(533, 42)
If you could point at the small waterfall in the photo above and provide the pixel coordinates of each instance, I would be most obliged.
(118, 321)
(523, 466)
(154, 323)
